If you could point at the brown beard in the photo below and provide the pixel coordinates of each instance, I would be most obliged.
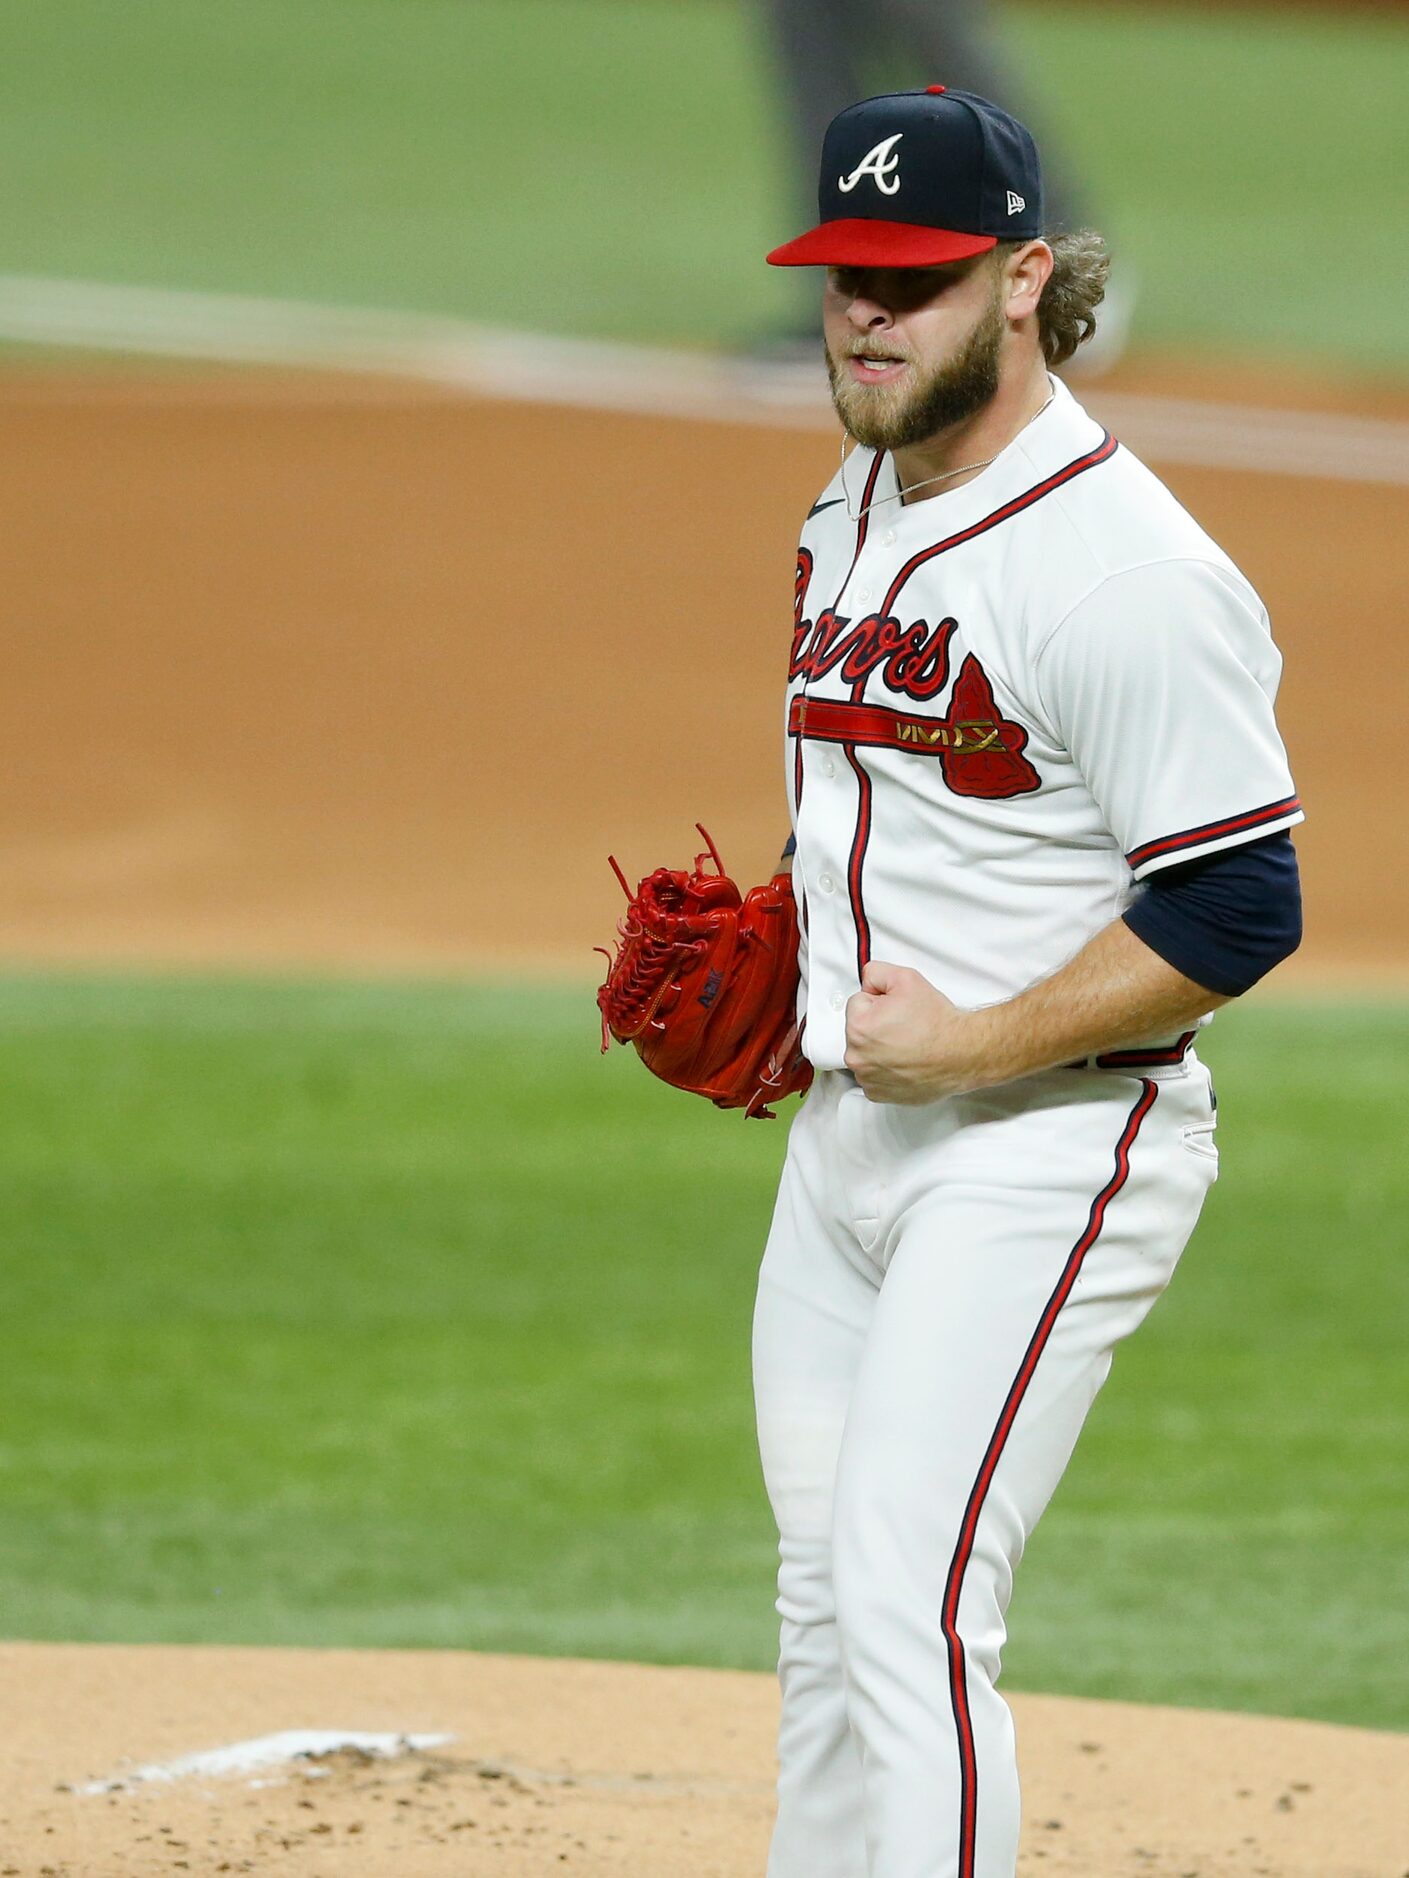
(949, 394)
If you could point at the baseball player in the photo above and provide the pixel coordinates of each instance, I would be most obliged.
(1040, 810)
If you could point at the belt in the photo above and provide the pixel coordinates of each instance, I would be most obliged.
(1161, 1056)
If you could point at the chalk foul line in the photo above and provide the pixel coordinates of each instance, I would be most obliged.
(641, 380)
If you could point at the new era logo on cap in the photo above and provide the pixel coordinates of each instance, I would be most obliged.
(918, 178)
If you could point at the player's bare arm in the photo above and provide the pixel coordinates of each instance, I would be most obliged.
(907, 1043)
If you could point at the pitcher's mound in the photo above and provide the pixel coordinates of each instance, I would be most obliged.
(127, 1761)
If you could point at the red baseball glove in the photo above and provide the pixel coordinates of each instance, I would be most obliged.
(704, 983)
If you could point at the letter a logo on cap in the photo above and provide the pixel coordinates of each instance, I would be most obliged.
(880, 165)
(1015, 202)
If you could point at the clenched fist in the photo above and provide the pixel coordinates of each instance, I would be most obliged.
(905, 1042)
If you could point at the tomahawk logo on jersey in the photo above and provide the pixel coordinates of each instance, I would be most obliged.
(1007, 706)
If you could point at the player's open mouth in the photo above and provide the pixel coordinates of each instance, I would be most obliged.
(874, 371)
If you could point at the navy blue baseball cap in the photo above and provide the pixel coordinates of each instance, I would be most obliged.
(917, 178)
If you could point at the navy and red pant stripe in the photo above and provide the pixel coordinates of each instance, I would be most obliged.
(968, 1529)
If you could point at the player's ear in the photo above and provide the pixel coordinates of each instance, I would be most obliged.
(1026, 272)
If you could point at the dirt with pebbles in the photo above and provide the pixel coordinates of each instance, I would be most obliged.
(611, 1770)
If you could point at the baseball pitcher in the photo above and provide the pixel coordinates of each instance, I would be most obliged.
(1040, 818)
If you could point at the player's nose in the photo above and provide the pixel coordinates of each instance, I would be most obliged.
(863, 290)
(867, 313)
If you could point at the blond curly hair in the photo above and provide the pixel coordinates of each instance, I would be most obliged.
(1066, 313)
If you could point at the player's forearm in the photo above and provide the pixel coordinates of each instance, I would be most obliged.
(908, 1043)
(1115, 992)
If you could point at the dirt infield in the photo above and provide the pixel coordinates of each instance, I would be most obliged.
(321, 671)
(615, 1771)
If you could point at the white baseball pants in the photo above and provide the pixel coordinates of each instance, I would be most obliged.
(938, 1304)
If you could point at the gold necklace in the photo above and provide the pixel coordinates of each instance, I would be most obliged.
(944, 476)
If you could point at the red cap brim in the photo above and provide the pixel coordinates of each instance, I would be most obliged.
(859, 243)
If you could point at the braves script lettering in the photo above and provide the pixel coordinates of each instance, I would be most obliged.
(914, 659)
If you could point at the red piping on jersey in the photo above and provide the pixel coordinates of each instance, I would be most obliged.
(862, 836)
(1077, 467)
(1212, 831)
(858, 857)
(863, 524)
(863, 816)
(963, 1551)
(799, 892)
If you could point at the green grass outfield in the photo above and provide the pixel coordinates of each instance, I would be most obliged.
(615, 167)
(379, 1314)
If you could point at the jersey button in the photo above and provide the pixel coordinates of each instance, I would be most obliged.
(888, 538)
(863, 594)
(829, 768)
(826, 883)
(837, 1000)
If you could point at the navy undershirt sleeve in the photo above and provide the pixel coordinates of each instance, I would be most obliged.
(1227, 919)
(789, 846)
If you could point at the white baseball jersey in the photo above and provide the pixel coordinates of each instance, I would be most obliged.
(1007, 705)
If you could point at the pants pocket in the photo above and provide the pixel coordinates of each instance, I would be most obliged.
(1198, 1139)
